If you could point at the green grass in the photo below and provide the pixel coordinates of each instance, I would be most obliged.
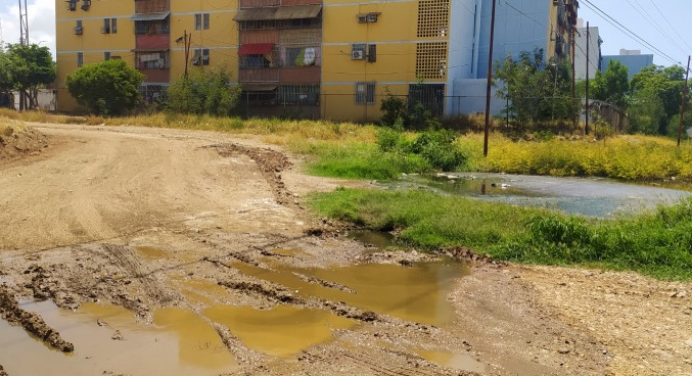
(658, 244)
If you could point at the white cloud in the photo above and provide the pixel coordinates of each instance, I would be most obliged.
(41, 22)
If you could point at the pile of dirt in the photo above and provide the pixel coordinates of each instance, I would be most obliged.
(32, 323)
(15, 144)
(2, 371)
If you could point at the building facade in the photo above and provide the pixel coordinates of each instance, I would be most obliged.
(634, 60)
(593, 44)
(333, 59)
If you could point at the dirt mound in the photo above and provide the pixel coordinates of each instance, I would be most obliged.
(271, 163)
(2, 371)
(15, 144)
(31, 322)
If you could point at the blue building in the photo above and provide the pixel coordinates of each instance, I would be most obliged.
(632, 59)
(520, 25)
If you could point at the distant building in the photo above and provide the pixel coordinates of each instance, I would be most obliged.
(594, 46)
(632, 59)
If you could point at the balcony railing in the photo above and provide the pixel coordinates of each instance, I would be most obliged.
(258, 75)
(152, 6)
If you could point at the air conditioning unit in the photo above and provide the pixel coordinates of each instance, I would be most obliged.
(78, 30)
(357, 55)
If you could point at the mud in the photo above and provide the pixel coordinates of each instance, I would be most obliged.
(18, 144)
(32, 323)
(191, 249)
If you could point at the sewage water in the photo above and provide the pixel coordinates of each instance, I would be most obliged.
(180, 343)
(593, 197)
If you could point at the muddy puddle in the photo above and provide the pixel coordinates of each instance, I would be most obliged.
(460, 362)
(108, 339)
(594, 197)
(282, 331)
(410, 293)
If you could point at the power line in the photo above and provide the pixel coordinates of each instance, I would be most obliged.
(627, 31)
(671, 26)
(647, 17)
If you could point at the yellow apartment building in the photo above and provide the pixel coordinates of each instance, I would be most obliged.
(332, 59)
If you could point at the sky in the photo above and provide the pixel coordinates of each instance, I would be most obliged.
(668, 30)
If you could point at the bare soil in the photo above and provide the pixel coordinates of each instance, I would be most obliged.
(17, 144)
(151, 218)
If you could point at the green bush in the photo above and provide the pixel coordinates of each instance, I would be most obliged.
(205, 92)
(439, 149)
(106, 88)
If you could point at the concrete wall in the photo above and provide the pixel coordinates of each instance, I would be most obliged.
(594, 53)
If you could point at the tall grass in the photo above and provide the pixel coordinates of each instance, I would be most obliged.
(657, 244)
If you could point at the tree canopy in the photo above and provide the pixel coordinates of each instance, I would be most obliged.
(26, 69)
(612, 85)
(106, 88)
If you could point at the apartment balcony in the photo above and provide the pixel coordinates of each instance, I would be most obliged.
(302, 75)
(153, 42)
(258, 75)
(156, 75)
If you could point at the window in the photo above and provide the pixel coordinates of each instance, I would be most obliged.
(201, 56)
(106, 56)
(301, 56)
(72, 5)
(299, 94)
(152, 27)
(152, 60)
(114, 25)
(78, 29)
(431, 60)
(365, 92)
(202, 21)
(106, 29)
(85, 5)
(80, 59)
(372, 53)
(433, 18)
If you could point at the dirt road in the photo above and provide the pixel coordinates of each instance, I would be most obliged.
(189, 253)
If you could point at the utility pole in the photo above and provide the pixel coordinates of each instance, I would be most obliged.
(588, 39)
(490, 82)
(23, 24)
(188, 42)
(574, 72)
(684, 99)
(24, 41)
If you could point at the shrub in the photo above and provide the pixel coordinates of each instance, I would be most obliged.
(204, 93)
(439, 149)
(106, 88)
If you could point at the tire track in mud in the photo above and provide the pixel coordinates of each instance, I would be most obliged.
(31, 322)
(271, 164)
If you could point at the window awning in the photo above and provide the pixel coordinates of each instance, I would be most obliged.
(255, 14)
(258, 87)
(298, 12)
(294, 12)
(160, 16)
(255, 49)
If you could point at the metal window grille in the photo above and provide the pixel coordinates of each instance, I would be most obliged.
(198, 21)
(205, 24)
(80, 59)
(365, 92)
(433, 18)
(106, 29)
(114, 25)
(299, 94)
(431, 60)
(106, 56)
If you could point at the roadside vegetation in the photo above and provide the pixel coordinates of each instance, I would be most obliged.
(657, 244)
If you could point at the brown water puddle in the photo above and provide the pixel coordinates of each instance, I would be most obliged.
(460, 362)
(180, 343)
(282, 331)
(411, 293)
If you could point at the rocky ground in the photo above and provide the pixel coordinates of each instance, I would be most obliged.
(148, 218)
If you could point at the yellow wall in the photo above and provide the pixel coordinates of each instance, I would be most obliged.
(394, 33)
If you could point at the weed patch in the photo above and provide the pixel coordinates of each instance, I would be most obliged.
(658, 244)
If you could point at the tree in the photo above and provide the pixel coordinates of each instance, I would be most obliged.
(612, 85)
(666, 84)
(204, 93)
(106, 88)
(536, 92)
(30, 68)
(646, 112)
